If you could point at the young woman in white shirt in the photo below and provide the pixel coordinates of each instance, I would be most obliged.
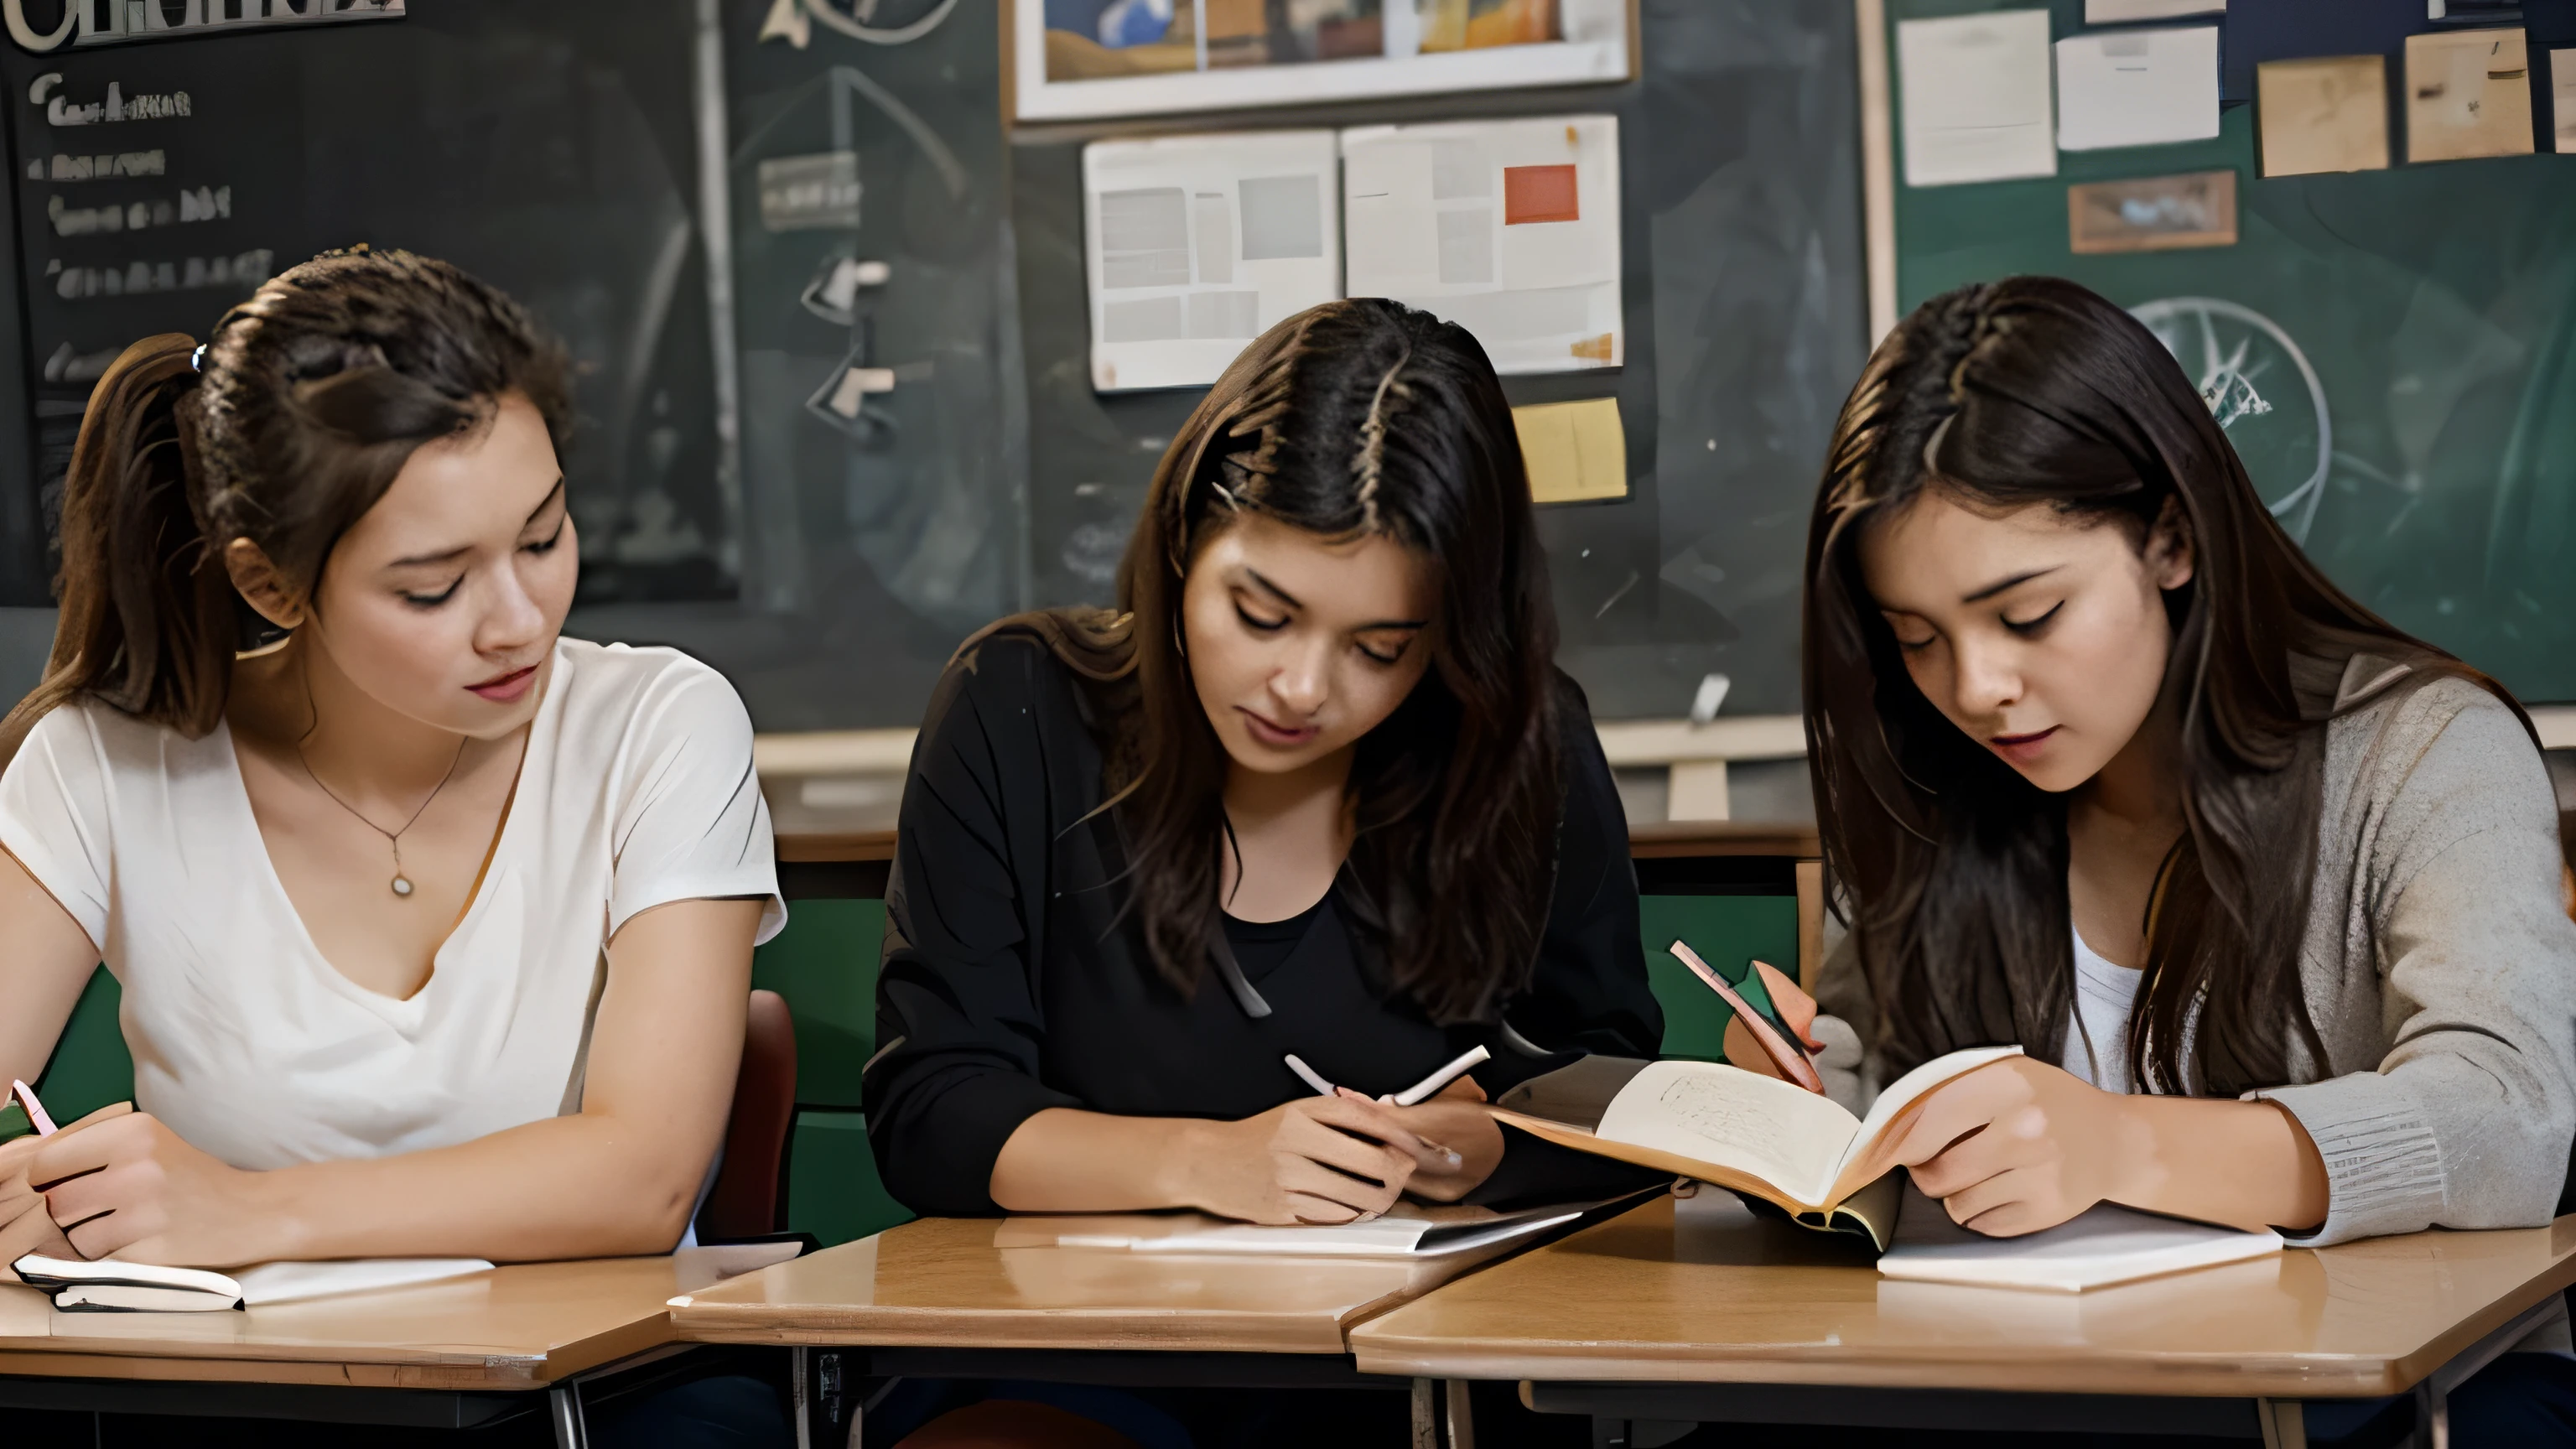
(434, 927)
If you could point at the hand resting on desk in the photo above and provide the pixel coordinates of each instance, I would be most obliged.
(1312, 1160)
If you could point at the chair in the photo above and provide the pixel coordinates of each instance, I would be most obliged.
(749, 1200)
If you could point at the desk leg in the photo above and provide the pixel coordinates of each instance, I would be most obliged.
(1426, 1414)
(563, 1402)
(2284, 1421)
(1462, 1415)
(800, 1399)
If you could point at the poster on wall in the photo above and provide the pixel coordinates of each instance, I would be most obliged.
(1195, 245)
(1080, 59)
(1508, 228)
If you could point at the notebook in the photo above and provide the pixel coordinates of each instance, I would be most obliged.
(1409, 1231)
(2103, 1246)
(110, 1285)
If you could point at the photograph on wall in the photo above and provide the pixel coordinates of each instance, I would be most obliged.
(1078, 59)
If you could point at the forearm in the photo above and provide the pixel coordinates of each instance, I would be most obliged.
(1068, 1161)
(2246, 1164)
(578, 1186)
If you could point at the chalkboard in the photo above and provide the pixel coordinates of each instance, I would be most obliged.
(549, 148)
(1745, 311)
(2414, 330)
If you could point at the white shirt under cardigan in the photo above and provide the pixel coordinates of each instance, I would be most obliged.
(2097, 1025)
(637, 789)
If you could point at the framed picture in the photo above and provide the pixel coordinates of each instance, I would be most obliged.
(2152, 214)
(1088, 59)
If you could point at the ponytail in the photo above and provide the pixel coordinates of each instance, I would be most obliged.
(147, 621)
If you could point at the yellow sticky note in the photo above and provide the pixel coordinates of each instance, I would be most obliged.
(1576, 452)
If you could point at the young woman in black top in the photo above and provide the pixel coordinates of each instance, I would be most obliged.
(1315, 788)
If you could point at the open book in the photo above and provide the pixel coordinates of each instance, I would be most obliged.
(1758, 1135)
(110, 1285)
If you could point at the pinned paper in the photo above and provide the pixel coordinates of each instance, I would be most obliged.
(2326, 114)
(1508, 228)
(1576, 452)
(2468, 94)
(2121, 12)
(1195, 244)
(2149, 214)
(1976, 97)
(2562, 93)
(2137, 88)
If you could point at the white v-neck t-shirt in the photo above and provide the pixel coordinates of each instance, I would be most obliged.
(636, 790)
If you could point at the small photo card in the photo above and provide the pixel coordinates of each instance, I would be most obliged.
(2152, 214)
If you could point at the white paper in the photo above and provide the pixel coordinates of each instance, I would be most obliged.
(1976, 104)
(1195, 245)
(2102, 1246)
(1387, 1237)
(2562, 90)
(2115, 12)
(2137, 88)
(296, 1282)
(1473, 222)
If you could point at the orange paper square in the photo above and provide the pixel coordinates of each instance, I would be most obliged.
(1538, 193)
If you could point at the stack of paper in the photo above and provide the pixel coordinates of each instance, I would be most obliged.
(1508, 228)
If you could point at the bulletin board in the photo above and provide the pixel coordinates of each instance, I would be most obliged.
(2411, 331)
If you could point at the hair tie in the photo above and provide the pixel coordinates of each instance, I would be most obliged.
(197, 359)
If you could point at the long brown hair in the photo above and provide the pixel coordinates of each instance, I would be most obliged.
(285, 428)
(1355, 417)
(1952, 866)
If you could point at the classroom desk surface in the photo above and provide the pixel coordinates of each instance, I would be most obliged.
(525, 1326)
(946, 1282)
(1710, 1294)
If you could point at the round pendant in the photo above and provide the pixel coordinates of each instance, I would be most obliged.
(402, 887)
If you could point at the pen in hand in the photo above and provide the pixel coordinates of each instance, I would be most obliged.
(1323, 1088)
(26, 1096)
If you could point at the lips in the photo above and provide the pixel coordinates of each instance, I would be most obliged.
(1277, 736)
(504, 688)
(2020, 749)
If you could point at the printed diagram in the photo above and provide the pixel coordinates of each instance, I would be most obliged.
(2263, 392)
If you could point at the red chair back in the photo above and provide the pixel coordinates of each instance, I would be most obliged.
(750, 1196)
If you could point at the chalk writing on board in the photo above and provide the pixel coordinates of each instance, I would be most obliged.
(101, 168)
(203, 203)
(117, 107)
(109, 22)
(244, 270)
(2253, 373)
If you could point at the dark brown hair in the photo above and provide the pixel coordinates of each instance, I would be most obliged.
(1355, 417)
(285, 429)
(1951, 866)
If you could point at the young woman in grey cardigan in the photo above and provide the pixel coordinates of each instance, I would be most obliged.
(2269, 891)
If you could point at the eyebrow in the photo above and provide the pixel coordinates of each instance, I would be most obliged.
(419, 560)
(1990, 590)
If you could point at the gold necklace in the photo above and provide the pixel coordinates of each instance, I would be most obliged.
(401, 883)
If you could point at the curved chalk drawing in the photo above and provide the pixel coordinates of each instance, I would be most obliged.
(878, 34)
(2188, 324)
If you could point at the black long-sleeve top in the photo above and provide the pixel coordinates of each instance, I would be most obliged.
(1011, 983)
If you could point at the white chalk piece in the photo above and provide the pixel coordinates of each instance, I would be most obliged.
(1192, 245)
(1508, 228)
(2137, 88)
(1975, 97)
(1711, 698)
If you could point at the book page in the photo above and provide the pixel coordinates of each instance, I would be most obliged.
(1872, 1148)
(1710, 1112)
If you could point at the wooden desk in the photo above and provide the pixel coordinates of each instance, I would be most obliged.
(446, 1354)
(1683, 1311)
(942, 1298)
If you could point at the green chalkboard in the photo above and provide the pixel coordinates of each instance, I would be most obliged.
(2414, 330)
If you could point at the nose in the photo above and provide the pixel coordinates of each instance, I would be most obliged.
(1300, 684)
(512, 621)
(1989, 678)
